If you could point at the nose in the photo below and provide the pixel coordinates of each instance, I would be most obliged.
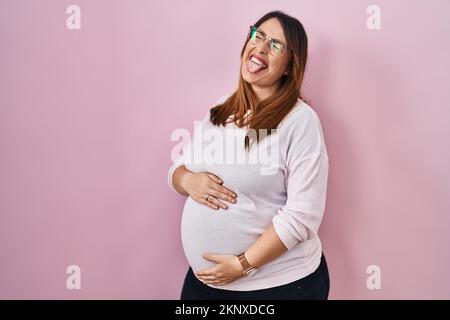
(263, 47)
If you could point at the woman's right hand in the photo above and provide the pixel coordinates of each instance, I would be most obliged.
(201, 183)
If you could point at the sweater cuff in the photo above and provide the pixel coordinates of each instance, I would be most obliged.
(283, 233)
(170, 177)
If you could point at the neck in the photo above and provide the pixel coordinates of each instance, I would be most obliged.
(262, 93)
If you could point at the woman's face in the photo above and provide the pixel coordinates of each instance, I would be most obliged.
(275, 66)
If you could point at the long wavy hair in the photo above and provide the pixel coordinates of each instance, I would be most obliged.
(268, 113)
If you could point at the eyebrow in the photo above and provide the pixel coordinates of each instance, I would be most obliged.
(271, 37)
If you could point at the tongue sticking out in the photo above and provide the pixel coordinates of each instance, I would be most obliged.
(253, 67)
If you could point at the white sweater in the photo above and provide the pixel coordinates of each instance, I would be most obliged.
(290, 193)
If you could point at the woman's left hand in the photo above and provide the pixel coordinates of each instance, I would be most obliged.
(228, 269)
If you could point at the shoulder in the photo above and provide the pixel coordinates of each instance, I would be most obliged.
(301, 115)
(207, 115)
(302, 128)
(220, 100)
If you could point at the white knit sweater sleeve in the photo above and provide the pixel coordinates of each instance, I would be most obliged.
(306, 161)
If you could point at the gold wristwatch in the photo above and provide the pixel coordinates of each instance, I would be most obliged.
(248, 269)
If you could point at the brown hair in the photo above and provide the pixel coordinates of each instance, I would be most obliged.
(268, 113)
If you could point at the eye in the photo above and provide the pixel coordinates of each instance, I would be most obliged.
(259, 35)
(277, 47)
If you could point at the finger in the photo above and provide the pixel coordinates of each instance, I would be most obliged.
(214, 190)
(215, 178)
(207, 203)
(207, 278)
(223, 189)
(205, 273)
(216, 202)
(219, 186)
(217, 258)
(216, 282)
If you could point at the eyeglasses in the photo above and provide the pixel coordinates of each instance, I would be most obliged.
(277, 47)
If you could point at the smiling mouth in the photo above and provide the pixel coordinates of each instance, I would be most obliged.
(255, 65)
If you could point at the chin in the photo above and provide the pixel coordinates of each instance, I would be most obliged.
(248, 77)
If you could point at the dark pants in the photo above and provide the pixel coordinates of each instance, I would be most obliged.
(315, 286)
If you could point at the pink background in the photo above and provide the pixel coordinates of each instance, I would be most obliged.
(86, 117)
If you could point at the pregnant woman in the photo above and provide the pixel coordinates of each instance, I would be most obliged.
(250, 228)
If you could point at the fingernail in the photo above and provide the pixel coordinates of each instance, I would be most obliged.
(225, 207)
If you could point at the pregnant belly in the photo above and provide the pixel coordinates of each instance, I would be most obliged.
(230, 231)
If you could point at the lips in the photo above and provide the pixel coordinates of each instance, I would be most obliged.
(256, 63)
(261, 59)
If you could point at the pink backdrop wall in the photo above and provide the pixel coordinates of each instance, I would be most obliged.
(86, 117)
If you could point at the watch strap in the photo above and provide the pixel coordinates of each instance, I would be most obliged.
(245, 264)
